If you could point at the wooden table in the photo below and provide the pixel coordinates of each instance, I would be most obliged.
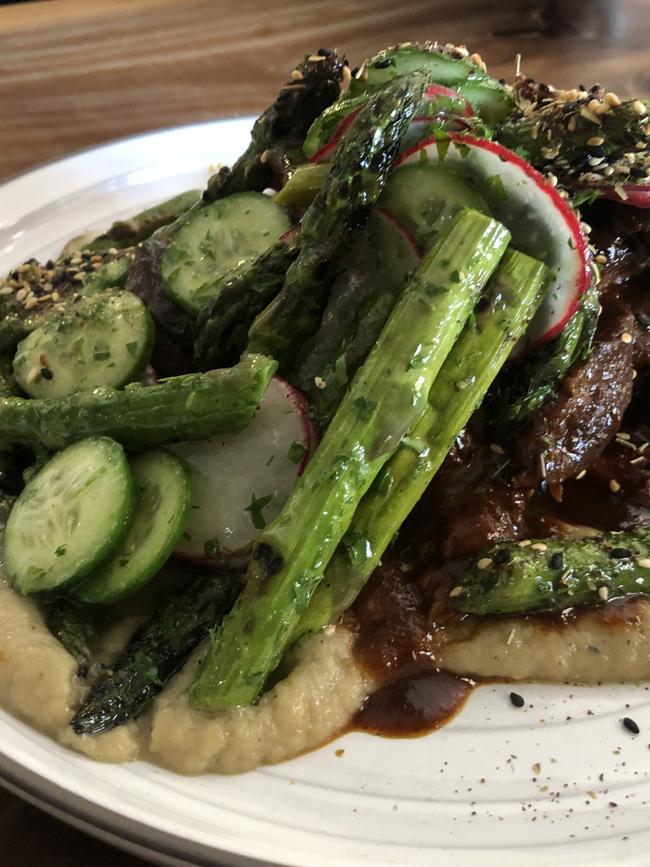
(77, 72)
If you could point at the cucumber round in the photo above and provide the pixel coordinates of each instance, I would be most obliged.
(162, 504)
(70, 517)
(104, 340)
(425, 196)
(227, 234)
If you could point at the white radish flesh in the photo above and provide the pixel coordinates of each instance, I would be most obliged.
(241, 481)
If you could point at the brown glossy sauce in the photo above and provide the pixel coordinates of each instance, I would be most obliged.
(413, 705)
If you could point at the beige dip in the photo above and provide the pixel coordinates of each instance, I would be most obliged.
(311, 705)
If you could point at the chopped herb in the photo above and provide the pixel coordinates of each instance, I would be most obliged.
(60, 551)
(211, 548)
(296, 452)
(255, 508)
(365, 407)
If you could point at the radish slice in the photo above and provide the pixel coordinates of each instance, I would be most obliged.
(540, 220)
(241, 481)
(636, 195)
(323, 154)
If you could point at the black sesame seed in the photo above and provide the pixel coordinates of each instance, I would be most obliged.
(383, 63)
(630, 725)
(49, 264)
(557, 560)
(516, 699)
(324, 52)
(502, 556)
(620, 553)
(542, 486)
(596, 150)
(46, 373)
(636, 172)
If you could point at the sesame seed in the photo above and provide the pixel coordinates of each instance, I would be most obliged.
(319, 382)
(542, 465)
(612, 99)
(595, 140)
(539, 546)
(516, 699)
(31, 303)
(297, 75)
(524, 543)
(639, 108)
(626, 337)
(643, 562)
(631, 726)
(595, 161)
(601, 259)
(484, 563)
(581, 474)
(21, 294)
(614, 486)
(6, 290)
(640, 460)
(497, 449)
(603, 593)
(457, 591)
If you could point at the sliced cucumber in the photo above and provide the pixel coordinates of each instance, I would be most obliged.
(162, 504)
(405, 58)
(70, 517)
(490, 100)
(425, 196)
(227, 234)
(103, 340)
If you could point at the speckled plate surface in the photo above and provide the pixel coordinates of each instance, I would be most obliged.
(557, 782)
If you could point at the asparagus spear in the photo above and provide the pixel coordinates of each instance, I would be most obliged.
(194, 406)
(385, 400)
(513, 295)
(156, 651)
(361, 163)
(128, 233)
(222, 326)
(75, 627)
(314, 85)
(553, 574)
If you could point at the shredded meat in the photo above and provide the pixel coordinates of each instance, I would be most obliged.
(574, 427)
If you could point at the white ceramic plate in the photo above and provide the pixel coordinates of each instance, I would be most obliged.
(498, 786)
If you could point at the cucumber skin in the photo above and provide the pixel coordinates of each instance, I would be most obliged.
(527, 582)
(97, 588)
(122, 522)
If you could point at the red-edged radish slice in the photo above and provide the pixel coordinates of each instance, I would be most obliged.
(415, 253)
(324, 154)
(541, 222)
(241, 481)
(635, 195)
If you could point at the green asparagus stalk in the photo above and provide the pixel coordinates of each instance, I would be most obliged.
(195, 406)
(361, 163)
(553, 574)
(222, 326)
(75, 627)
(513, 293)
(303, 185)
(385, 400)
(315, 84)
(156, 651)
(128, 233)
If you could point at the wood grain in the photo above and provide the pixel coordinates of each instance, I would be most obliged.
(78, 72)
(75, 73)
